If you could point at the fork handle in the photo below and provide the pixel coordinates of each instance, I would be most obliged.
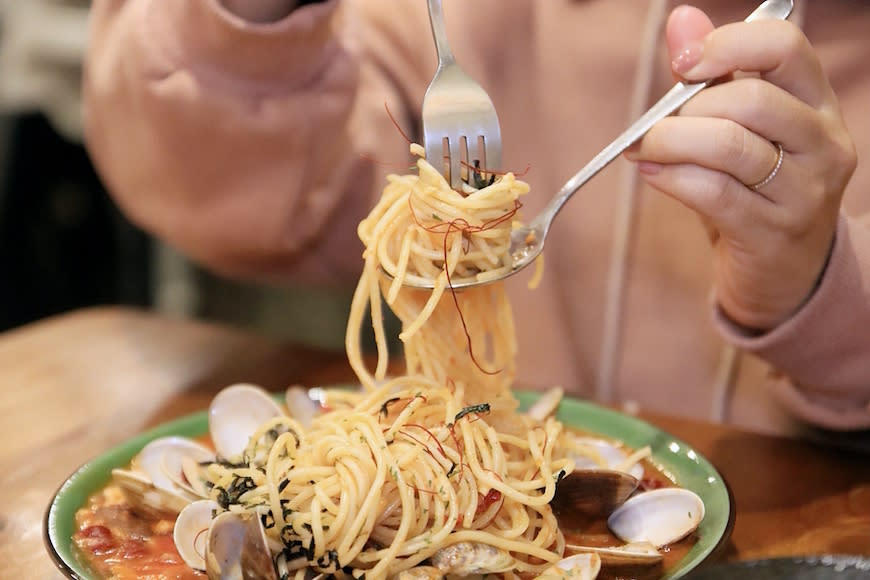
(439, 32)
(670, 102)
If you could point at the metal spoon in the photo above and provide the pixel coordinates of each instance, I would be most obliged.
(527, 242)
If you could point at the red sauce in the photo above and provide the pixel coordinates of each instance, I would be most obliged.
(117, 543)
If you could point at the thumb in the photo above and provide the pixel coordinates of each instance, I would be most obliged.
(687, 26)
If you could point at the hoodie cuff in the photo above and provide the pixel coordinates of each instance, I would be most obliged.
(201, 35)
(823, 347)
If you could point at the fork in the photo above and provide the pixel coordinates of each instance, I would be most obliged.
(458, 115)
(527, 242)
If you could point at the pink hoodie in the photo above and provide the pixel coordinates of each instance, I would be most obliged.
(256, 149)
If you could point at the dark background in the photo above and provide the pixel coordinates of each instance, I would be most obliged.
(63, 243)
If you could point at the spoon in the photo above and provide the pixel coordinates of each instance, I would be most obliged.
(527, 242)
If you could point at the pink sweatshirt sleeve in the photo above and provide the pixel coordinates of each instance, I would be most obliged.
(821, 352)
(239, 143)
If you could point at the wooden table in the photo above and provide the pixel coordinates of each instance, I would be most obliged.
(75, 385)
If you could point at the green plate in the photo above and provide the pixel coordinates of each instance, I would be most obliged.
(674, 457)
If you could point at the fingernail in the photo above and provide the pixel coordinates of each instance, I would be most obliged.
(648, 167)
(688, 58)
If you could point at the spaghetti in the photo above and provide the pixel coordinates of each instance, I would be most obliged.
(436, 458)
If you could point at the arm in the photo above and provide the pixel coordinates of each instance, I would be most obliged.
(239, 143)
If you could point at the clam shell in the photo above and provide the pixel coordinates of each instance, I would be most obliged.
(162, 460)
(237, 549)
(611, 454)
(234, 416)
(660, 517)
(638, 560)
(147, 499)
(592, 492)
(300, 405)
(191, 532)
(581, 566)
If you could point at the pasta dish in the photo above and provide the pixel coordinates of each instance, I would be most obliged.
(432, 473)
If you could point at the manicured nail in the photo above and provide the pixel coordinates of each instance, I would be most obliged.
(687, 59)
(648, 167)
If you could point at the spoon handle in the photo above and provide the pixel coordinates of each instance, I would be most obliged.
(670, 102)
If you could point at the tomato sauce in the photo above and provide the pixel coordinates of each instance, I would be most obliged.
(118, 544)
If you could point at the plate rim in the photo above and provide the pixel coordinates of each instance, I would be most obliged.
(569, 405)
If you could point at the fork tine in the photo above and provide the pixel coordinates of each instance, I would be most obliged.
(474, 154)
(454, 149)
(492, 147)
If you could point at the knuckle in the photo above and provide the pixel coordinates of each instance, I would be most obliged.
(731, 144)
(794, 41)
(721, 193)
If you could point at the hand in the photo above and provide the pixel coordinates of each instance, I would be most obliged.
(772, 242)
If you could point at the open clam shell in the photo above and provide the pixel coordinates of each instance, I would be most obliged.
(592, 493)
(234, 416)
(162, 460)
(636, 560)
(191, 532)
(147, 499)
(584, 566)
(300, 405)
(660, 517)
(606, 455)
(238, 548)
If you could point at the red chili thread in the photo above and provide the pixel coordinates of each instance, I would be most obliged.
(396, 124)
(462, 226)
(430, 434)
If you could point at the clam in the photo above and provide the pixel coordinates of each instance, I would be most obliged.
(191, 531)
(580, 566)
(420, 573)
(466, 558)
(592, 493)
(635, 560)
(546, 405)
(238, 548)
(661, 517)
(606, 454)
(300, 405)
(163, 461)
(234, 416)
(158, 482)
(145, 498)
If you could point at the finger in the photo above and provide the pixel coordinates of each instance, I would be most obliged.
(775, 49)
(686, 28)
(763, 108)
(716, 196)
(714, 143)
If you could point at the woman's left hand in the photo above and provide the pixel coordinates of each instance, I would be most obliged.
(772, 240)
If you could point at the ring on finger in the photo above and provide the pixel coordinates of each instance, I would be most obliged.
(776, 167)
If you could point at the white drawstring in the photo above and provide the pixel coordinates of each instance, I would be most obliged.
(626, 213)
(729, 356)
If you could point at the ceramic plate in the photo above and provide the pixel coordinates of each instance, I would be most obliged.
(677, 459)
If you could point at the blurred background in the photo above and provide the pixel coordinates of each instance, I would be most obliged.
(63, 243)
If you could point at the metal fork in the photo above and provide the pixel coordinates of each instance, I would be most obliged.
(457, 114)
(528, 241)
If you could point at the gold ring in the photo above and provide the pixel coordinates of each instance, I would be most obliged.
(773, 172)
